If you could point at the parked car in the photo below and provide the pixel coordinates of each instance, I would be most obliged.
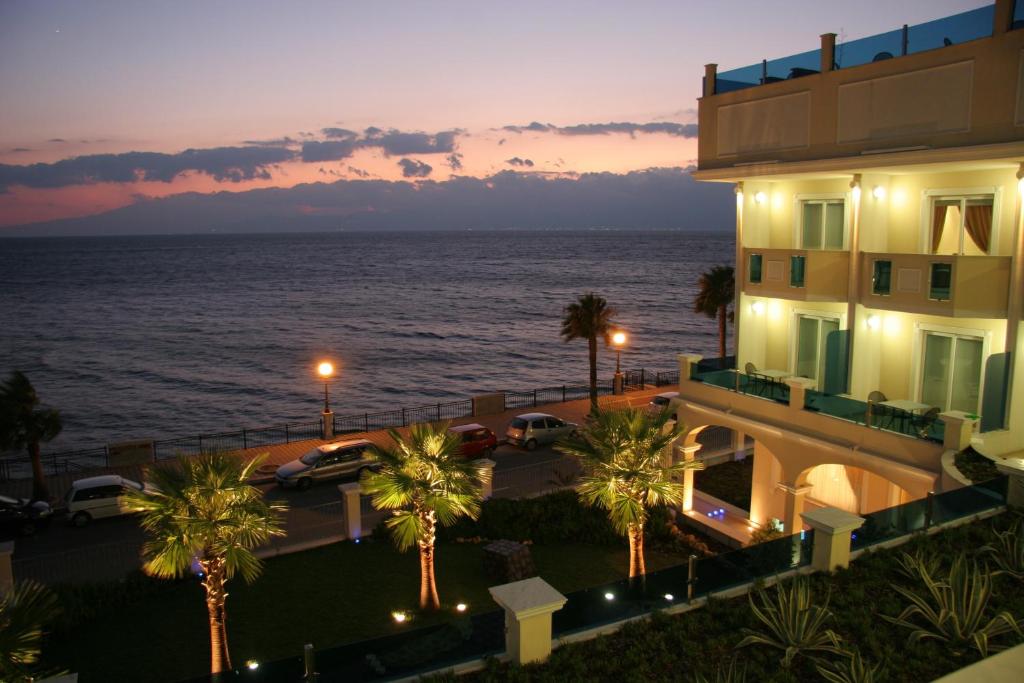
(98, 497)
(532, 429)
(477, 441)
(325, 462)
(22, 517)
(662, 401)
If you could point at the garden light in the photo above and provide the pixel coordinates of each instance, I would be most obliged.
(399, 617)
(669, 597)
(252, 665)
(461, 607)
(609, 596)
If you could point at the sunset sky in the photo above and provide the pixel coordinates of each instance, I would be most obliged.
(104, 103)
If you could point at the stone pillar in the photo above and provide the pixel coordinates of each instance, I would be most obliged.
(762, 485)
(486, 477)
(528, 607)
(828, 51)
(6, 567)
(687, 361)
(739, 445)
(798, 387)
(688, 454)
(832, 528)
(1013, 468)
(960, 427)
(352, 510)
(327, 422)
(710, 79)
(792, 519)
(618, 384)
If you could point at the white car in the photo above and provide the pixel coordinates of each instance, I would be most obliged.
(98, 497)
(533, 429)
(662, 401)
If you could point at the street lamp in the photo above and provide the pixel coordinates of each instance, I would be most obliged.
(618, 341)
(326, 370)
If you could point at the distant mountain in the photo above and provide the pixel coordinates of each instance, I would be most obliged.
(655, 198)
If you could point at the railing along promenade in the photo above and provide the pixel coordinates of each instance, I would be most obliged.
(64, 462)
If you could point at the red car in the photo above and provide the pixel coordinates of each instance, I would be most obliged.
(477, 441)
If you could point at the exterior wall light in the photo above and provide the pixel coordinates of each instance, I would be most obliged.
(757, 307)
(759, 197)
(878, 192)
(874, 322)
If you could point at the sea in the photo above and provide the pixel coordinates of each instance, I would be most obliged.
(164, 336)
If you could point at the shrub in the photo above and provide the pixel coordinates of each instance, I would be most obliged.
(975, 466)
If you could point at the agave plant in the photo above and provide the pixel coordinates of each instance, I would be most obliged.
(851, 668)
(920, 563)
(793, 623)
(953, 611)
(1007, 553)
(725, 674)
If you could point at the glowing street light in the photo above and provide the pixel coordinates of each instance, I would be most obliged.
(618, 341)
(326, 371)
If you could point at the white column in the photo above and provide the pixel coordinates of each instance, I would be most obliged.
(798, 387)
(959, 429)
(528, 607)
(794, 507)
(739, 445)
(351, 510)
(688, 454)
(832, 529)
(686, 361)
(486, 468)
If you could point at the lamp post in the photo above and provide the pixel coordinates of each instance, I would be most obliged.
(618, 341)
(326, 370)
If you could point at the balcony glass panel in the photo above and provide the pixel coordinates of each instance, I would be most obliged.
(920, 426)
(881, 280)
(871, 49)
(959, 28)
(769, 71)
(796, 270)
(941, 281)
(1018, 14)
(751, 383)
(754, 268)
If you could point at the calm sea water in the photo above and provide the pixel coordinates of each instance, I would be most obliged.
(175, 335)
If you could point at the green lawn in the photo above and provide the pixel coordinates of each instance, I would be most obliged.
(729, 481)
(336, 594)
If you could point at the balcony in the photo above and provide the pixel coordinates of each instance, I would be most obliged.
(911, 92)
(953, 286)
(797, 274)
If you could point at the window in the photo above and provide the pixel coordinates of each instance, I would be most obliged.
(940, 281)
(538, 424)
(796, 270)
(881, 278)
(754, 269)
(812, 336)
(554, 423)
(961, 225)
(823, 224)
(951, 371)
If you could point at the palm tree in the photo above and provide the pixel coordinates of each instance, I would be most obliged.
(424, 481)
(589, 317)
(202, 510)
(23, 612)
(717, 291)
(25, 424)
(621, 453)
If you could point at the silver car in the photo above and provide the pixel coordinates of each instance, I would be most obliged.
(662, 401)
(533, 429)
(325, 462)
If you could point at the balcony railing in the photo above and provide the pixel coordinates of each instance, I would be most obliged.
(936, 285)
(800, 274)
(907, 40)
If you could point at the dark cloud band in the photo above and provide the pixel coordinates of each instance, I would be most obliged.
(683, 130)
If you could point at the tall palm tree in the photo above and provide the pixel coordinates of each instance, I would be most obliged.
(621, 453)
(424, 481)
(23, 613)
(26, 424)
(717, 291)
(201, 509)
(589, 317)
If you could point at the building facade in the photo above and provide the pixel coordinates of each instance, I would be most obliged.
(879, 262)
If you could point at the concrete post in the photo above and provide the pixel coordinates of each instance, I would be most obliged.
(832, 528)
(739, 445)
(351, 509)
(828, 51)
(486, 477)
(960, 427)
(798, 387)
(528, 607)
(6, 567)
(618, 384)
(1013, 468)
(327, 418)
(688, 454)
(710, 79)
(687, 361)
(792, 519)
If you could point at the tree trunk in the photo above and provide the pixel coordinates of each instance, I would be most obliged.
(722, 315)
(592, 351)
(39, 488)
(428, 586)
(636, 551)
(216, 597)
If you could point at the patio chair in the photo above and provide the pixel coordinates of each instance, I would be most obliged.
(924, 422)
(754, 381)
(874, 398)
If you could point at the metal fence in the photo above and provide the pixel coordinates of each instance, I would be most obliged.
(98, 458)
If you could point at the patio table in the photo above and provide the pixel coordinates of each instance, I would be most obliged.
(902, 410)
